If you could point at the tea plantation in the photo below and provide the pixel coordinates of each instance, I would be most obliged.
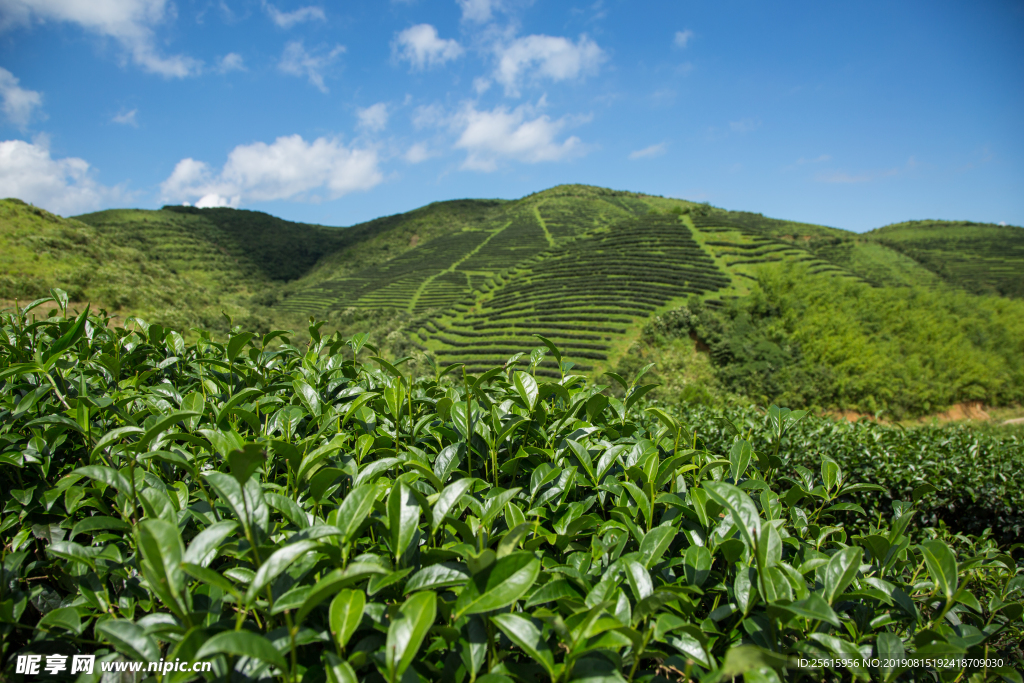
(589, 268)
(582, 295)
(314, 512)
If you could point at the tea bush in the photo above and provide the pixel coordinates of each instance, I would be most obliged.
(313, 514)
(976, 471)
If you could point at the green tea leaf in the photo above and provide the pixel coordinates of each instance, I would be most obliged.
(66, 618)
(499, 585)
(354, 509)
(245, 461)
(338, 670)
(275, 564)
(436, 576)
(406, 633)
(346, 613)
(241, 644)
(740, 506)
(69, 338)
(942, 567)
(739, 458)
(204, 546)
(308, 396)
(841, 570)
(696, 565)
(655, 543)
(237, 343)
(448, 499)
(523, 633)
(130, 639)
(403, 518)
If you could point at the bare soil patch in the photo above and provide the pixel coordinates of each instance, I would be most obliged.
(970, 410)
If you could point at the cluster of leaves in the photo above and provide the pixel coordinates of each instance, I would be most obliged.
(975, 470)
(313, 514)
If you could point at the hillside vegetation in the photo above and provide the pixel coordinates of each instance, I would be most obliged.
(904, 320)
(40, 251)
(979, 257)
(829, 343)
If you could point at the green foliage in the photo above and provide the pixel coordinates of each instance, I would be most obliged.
(843, 345)
(302, 513)
(974, 469)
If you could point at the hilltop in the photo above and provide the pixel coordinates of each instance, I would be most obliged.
(615, 279)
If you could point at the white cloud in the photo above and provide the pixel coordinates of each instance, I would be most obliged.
(418, 153)
(289, 19)
(129, 22)
(551, 57)
(289, 168)
(214, 201)
(18, 104)
(187, 175)
(481, 85)
(127, 118)
(373, 118)
(682, 38)
(422, 48)
(491, 136)
(64, 186)
(652, 151)
(477, 11)
(428, 116)
(298, 62)
(232, 61)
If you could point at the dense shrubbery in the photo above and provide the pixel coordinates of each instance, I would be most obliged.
(975, 470)
(312, 514)
(825, 343)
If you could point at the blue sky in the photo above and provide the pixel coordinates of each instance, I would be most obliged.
(847, 114)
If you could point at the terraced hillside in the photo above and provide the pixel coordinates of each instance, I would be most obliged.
(472, 280)
(473, 255)
(980, 257)
(585, 297)
(741, 245)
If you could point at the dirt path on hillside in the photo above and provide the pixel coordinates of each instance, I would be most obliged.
(974, 411)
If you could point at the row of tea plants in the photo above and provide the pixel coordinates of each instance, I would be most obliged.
(975, 469)
(313, 514)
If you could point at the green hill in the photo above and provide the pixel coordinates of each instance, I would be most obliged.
(979, 257)
(227, 243)
(615, 279)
